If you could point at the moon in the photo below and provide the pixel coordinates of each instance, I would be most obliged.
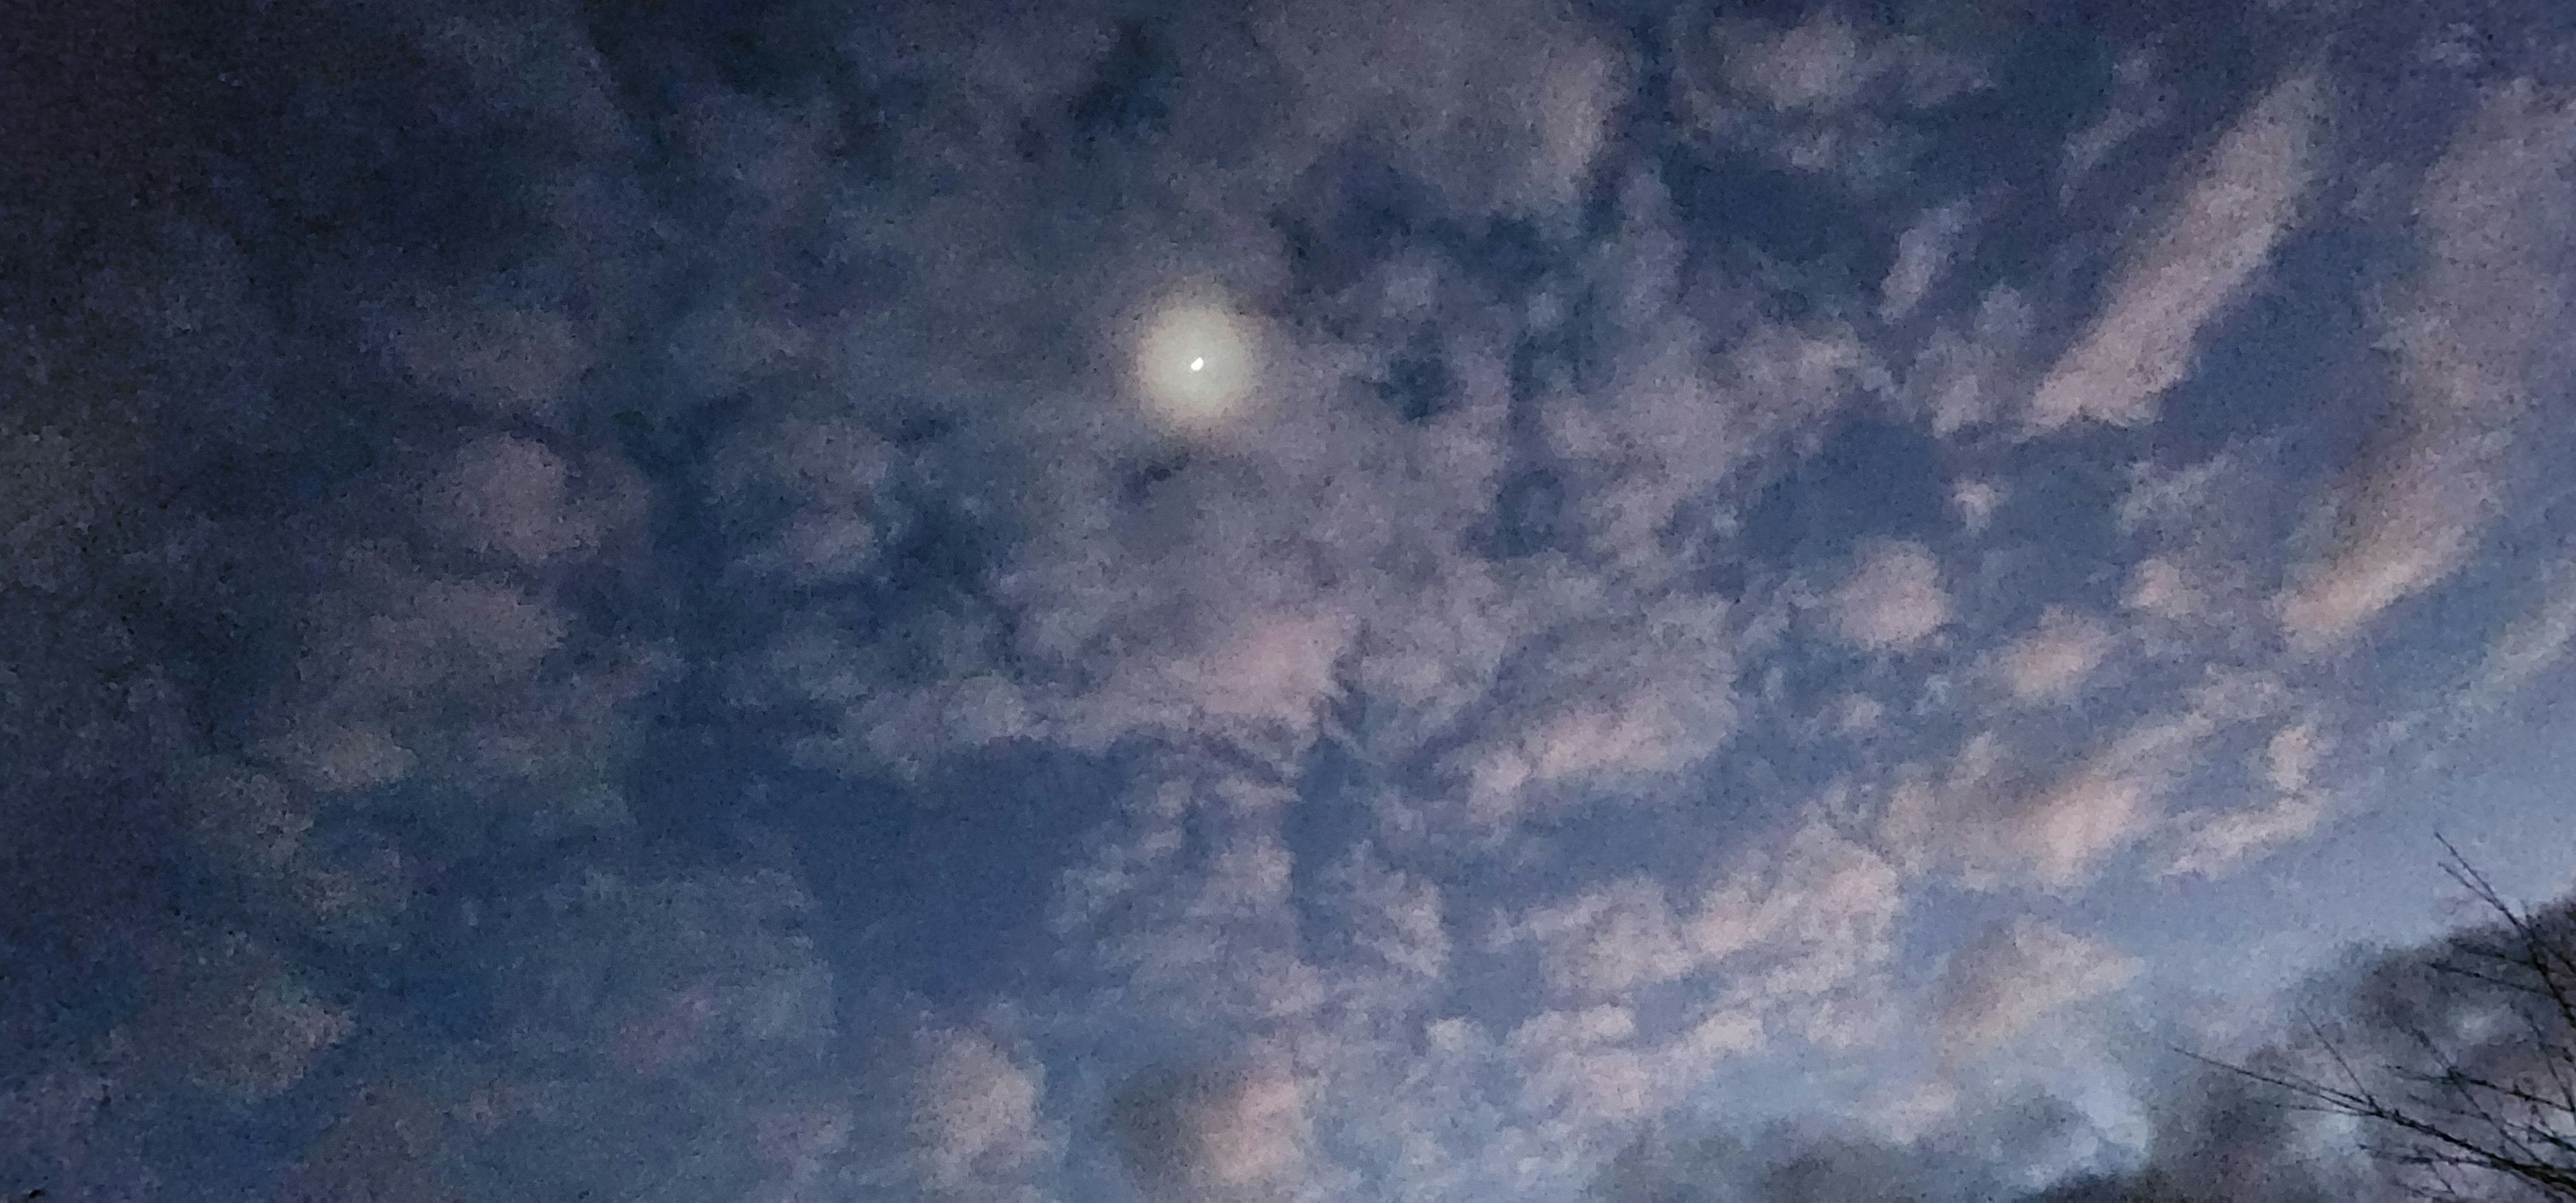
(1195, 366)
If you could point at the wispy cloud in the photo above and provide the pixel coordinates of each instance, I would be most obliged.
(2474, 352)
(2195, 262)
(1891, 599)
(2053, 660)
(2014, 976)
(596, 604)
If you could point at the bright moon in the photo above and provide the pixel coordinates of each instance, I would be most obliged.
(1195, 366)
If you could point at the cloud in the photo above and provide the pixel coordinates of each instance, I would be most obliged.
(2054, 659)
(2196, 261)
(1683, 411)
(516, 500)
(2016, 975)
(2003, 824)
(2214, 844)
(2138, 102)
(1580, 1065)
(1218, 1134)
(1499, 107)
(232, 1012)
(1845, 104)
(2387, 1016)
(1798, 927)
(504, 361)
(2159, 587)
(2533, 641)
(1972, 364)
(488, 568)
(1817, 64)
(1614, 701)
(977, 1113)
(1997, 1153)
(1976, 501)
(1396, 918)
(835, 474)
(1824, 64)
(1615, 938)
(1891, 599)
(1923, 252)
(2290, 756)
(382, 1149)
(2410, 518)
(2476, 347)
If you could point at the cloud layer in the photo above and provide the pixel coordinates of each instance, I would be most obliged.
(735, 603)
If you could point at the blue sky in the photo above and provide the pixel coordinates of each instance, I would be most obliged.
(1096, 602)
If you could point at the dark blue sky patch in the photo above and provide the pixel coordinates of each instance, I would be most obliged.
(1131, 90)
(2294, 358)
(1348, 212)
(1872, 478)
(944, 888)
(1418, 384)
(2058, 540)
(1529, 514)
(2438, 639)
(2049, 82)
(1335, 815)
(1806, 245)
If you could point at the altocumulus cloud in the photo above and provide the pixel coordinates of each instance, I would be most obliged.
(776, 603)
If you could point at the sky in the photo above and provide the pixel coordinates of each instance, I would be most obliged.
(780, 600)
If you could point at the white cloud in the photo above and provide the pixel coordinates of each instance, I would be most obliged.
(2409, 518)
(1793, 937)
(1892, 598)
(2195, 262)
(1501, 107)
(976, 1113)
(1263, 668)
(2210, 843)
(1613, 939)
(1923, 252)
(2071, 824)
(2533, 641)
(2053, 660)
(1966, 369)
(1811, 925)
(833, 472)
(2160, 587)
(1396, 918)
(2214, 843)
(1225, 1134)
(1581, 1066)
(511, 497)
(390, 659)
(1823, 64)
(2001, 825)
(2479, 341)
(1977, 501)
(2137, 104)
(1683, 412)
(1819, 64)
(231, 1013)
(1626, 700)
(505, 362)
(2016, 975)
(2291, 756)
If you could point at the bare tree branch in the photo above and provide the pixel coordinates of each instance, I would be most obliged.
(2479, 1079)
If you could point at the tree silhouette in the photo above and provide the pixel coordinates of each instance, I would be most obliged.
(2459, 1065)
